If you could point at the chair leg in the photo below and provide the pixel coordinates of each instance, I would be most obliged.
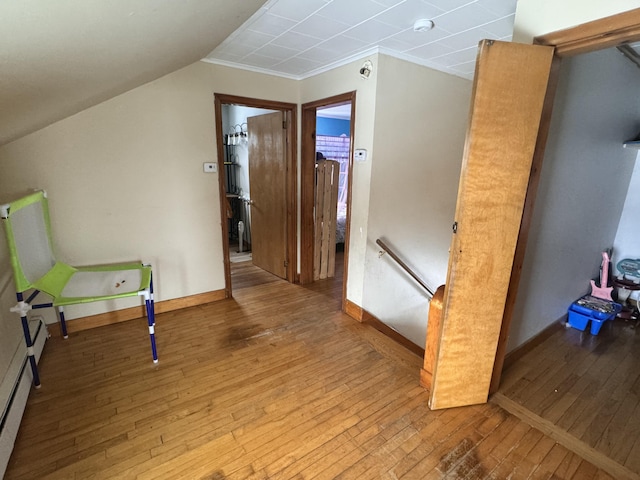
(151, 322)
(63, 323)
(22, 308)
(30, 352)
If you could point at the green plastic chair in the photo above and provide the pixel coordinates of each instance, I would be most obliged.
(36, 270)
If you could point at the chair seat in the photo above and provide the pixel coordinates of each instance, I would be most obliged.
(89, 284)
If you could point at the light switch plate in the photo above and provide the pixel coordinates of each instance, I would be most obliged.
(210, 167)
(360, 155)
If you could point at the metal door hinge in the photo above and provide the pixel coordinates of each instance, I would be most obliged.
(455, 227)
(286, 264)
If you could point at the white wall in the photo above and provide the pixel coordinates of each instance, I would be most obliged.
(125, 178)
(421, 120)
(537, 17)
(584, 181)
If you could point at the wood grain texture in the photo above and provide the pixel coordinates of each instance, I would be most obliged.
(434, 325)
(326, 208)
(126, 314)
(586, 387)
(274, 383)
(268, 180)
(509, 92)
(602, 33)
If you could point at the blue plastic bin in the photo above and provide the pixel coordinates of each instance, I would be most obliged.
(591, 309)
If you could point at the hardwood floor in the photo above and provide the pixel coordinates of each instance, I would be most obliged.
(588, 387)
(276, 383)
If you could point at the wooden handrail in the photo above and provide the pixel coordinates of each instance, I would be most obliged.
(386, 248)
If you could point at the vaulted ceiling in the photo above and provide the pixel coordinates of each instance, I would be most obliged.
(60, 57)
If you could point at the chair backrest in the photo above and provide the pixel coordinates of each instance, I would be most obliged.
(28, 231)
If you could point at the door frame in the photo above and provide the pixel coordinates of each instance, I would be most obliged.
(587, 37)
(289, 111)
(307, 184)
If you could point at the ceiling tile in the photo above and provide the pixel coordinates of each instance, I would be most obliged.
(464, 18)
(429, 51)
(500, 28)
(351, 12)
(295, 9)
(260, 61)
(372, 31)
(276, 51)
(321, 55)
(388, 3)
(343, 44)
(416, 39)
(500, 8)
(271, 24)
(320, 27)
(296, 40)
(253, 39)
(467, 39)
(303, 36)
(297, 66)
(405, 14)
(394, 44)
(448, 5)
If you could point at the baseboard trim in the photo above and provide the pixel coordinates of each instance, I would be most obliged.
(126, 314)
(353, 310)
(565, 439)
(372, 320)
(518, 352)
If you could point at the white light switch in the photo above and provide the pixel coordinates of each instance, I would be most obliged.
(360, 155)
(210, 167)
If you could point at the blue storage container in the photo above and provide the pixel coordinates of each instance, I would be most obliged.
(592, 309)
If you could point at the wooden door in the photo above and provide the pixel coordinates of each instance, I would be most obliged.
(510, 89)
(268, 183)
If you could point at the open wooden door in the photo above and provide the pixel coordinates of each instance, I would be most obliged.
(268, 180)
(509, 98)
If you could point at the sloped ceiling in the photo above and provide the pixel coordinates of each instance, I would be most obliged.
(60, 57)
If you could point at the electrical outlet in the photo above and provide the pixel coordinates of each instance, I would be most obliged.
(210, 167)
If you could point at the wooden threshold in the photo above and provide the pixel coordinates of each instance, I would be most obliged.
(126, 314)
(565, 439)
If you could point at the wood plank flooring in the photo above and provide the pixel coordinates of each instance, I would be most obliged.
(588, 386)
(276, 383)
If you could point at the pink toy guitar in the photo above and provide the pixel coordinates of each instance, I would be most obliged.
(603, 291)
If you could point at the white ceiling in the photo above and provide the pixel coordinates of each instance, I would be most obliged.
(298, 39)
(60, 57)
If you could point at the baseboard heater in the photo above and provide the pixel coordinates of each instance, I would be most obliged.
(15, 389)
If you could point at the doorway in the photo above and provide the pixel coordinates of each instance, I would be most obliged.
(327, 133)
(257, 183)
